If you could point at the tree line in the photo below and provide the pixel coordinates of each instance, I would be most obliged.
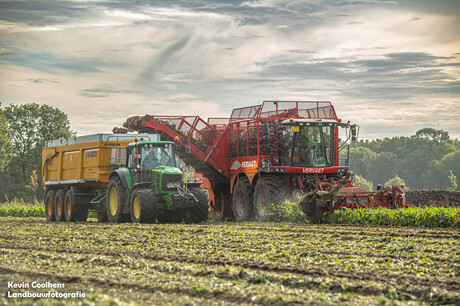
(428, 159)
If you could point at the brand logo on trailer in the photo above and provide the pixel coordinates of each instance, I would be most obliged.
(236, 165)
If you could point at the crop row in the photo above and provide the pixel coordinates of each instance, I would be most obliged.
(22, 211)
(413, 216)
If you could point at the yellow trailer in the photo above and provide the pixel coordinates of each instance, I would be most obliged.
(76, 172)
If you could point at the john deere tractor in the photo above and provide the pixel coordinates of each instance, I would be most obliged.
(151, 188)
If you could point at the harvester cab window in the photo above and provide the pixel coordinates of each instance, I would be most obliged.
(312, 146)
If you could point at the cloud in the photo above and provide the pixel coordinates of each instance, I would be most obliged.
(104, 91)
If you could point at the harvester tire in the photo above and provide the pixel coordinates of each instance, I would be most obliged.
(102, 216)
(311, 210)
(59, 200)
(269, 192)
(221, 209)
(116, 199)
(143, 206)
(243, 208)
(200, 210)
(49, 205)
(72, 211)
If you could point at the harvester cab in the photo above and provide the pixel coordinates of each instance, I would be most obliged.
(151, 187)
(312, 142)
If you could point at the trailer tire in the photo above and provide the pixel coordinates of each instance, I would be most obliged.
(116, 198)
(49, 205)
(268, 193)
(243, 208)
(59, 200)
(143, 206)
(72, 211)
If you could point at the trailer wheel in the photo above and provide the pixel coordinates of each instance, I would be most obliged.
(143, 206)
(72, 211)
(116, 198)
(59, 201)
(49, 205)
(268, 192)
(243, 209)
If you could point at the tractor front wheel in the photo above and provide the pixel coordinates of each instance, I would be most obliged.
(243, 209)
(143, 206)
(116, 198)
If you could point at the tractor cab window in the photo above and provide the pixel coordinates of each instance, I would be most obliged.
(154, 155)
(310, 146)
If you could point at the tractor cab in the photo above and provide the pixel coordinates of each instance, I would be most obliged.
(147, 159)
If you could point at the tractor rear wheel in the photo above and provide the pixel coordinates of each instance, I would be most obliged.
(74, 212)
(243, 208)
(59, 200)
(116, 198)
(49, 205)
(268, 192)
(143, 206)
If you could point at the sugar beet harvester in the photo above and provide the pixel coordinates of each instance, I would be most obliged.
(267, 153)
(121, 179)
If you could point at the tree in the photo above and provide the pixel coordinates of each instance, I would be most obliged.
(433, 134)
(30, 125)
(362, 183)
(6, 148)
(395, 181)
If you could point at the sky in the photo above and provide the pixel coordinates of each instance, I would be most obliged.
(392, 67)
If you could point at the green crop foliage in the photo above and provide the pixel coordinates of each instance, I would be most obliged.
(413, 216)
(22, 211)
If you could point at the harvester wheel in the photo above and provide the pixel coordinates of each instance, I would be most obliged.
(74, 212)
(143, 206)
(311, 207)
(102, 216)
(268, 192)
(116, 198)
(200, 210)
(222, 206)
(49, 205)
(243, 209)
(59, 200)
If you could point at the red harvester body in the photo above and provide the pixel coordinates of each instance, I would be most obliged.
(267, 153)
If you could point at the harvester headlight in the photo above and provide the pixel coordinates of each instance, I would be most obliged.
(173, 185)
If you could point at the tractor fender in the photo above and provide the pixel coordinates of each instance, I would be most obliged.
(122, 175)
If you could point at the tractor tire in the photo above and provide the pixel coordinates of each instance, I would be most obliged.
(59, 201)
(269, 192)
(221, 209)
(49, 205)
(199, 212)
(144, 206)
(243, 208)
(116, 199)
(73, 211)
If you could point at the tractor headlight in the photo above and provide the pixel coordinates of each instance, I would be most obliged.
(173, 185)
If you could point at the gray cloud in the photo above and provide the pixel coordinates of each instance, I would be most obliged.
(104, 91)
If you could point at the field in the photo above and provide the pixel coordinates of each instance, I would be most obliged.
(225, 263)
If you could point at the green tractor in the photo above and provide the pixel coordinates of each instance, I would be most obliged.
(151, 188)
